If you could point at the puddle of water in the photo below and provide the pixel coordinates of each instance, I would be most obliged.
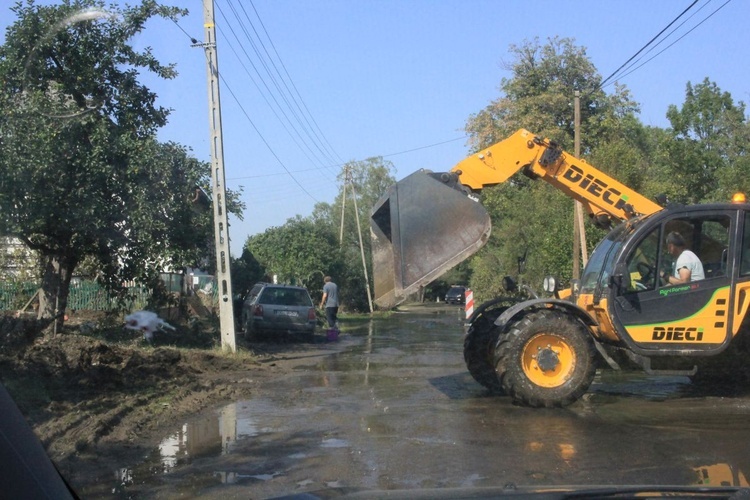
(212, 436)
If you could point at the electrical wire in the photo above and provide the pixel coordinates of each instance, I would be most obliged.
(273, 46)
(301, 116)
(341, 165)
(286, 122)
(264, 140)
(604, 82)
(680, 38)
(289, 172)
(308, 139)
(295, 137)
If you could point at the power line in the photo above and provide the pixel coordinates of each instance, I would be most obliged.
(266, 142)
(296, 136)
(193, 40)
(680, 38)
(277, 82)
(342, 164)
(426, 147)
(260, 135)
(309, 128)
(291, 173)
(604, 82)
(292, 82)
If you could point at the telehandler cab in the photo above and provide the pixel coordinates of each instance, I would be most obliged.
(544, 352)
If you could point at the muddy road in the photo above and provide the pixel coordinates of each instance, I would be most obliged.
(393, 407)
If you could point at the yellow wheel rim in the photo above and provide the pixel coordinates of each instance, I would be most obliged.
(548, 360)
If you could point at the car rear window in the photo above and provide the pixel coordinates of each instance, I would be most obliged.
(285, 297)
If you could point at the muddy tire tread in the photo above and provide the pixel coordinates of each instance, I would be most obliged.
(511, 376)
(479, 348)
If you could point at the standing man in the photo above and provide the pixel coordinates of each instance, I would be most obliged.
(330, 301)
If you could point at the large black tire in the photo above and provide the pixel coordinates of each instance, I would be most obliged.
(479, 348)
(546, 359)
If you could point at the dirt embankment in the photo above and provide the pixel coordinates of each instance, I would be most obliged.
(95, 388)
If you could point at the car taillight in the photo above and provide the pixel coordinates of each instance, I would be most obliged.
(311, 314)
(258, 311)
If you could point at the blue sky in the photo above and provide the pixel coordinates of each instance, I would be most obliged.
(391, 77)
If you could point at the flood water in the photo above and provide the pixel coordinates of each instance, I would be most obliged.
(395, 408)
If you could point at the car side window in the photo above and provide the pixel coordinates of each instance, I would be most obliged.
(254, 293)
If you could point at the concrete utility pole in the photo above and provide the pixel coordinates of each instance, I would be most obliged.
(223, 277)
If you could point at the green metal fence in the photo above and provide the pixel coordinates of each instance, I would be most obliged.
(16, 295)
(88, 296)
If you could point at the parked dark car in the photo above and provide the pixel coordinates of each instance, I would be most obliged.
(279, 311)
(456, 295)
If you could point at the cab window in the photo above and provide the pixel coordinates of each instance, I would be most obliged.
(745, 257)
(707, 236)
(642, 272)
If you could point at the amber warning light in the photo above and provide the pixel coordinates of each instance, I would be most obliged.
(739, 198)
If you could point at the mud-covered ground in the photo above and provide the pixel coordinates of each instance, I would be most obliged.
(96, 394)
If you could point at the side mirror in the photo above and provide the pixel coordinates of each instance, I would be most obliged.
(616, 282)
(619, 281)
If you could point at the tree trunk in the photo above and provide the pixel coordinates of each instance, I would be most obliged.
(53, 299)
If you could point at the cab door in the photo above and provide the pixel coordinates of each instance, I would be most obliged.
(682, 319)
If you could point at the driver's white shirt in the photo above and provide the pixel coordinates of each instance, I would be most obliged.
(690, 261)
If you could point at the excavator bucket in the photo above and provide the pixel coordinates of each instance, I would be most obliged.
(423, 226)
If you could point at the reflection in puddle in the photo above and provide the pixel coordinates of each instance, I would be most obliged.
(720, 475)
(210, 437)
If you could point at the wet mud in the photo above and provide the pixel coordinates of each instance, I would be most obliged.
(393, 407)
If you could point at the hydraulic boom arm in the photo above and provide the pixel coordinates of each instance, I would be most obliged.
(421, 227)
(603, 197)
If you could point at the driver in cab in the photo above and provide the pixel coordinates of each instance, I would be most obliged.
(687, 266)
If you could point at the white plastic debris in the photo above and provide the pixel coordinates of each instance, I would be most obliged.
(147, 322)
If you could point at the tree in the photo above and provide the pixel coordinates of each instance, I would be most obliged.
(82, 174)
(299, 252)
(708, 146)
(539, 96)
(246, 271)
(305, 249)
(531, 218)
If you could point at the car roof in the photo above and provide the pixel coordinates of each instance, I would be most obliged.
(277, 285)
